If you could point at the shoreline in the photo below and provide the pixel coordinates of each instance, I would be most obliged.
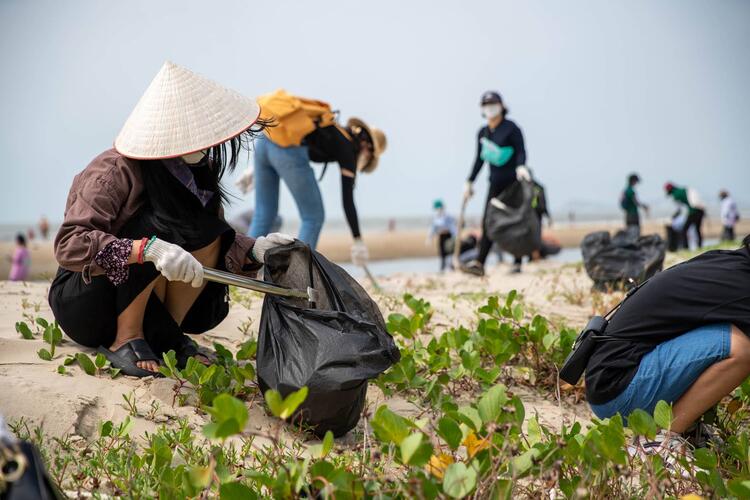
(382, 245)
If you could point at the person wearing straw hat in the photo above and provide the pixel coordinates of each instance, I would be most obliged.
(143, 218)
(356, 148)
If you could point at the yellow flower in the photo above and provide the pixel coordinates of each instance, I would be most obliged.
(474, 445)
(691, 496)
(438, 463)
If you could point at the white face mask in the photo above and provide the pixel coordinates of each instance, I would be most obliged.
(194, 158)
(491, 111)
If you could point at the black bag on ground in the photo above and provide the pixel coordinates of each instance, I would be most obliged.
(22, 473)
(613, 262)
(333, 347)
(512, 222)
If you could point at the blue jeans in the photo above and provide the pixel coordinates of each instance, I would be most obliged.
(668, 371)
(292, 165)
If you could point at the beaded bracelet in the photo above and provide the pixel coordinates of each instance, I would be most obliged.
(139, 259)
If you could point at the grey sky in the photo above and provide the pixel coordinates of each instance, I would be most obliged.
(598, 88)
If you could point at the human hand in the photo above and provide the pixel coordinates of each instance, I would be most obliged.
(468, 190)
(360, 254)
(265, 243)
(245, 183)
(174, 262)
(523, 174)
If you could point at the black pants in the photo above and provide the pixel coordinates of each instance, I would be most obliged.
(633, 220)
(728, 233)
(444, 240)
(485, 244)
(695, 218)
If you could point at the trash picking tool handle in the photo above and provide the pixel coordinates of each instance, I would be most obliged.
(259, 286)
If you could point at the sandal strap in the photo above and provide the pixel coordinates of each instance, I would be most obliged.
(137, 350)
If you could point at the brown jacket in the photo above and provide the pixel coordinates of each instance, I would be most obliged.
(103, 197)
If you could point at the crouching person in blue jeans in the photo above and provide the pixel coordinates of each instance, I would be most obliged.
(682, 338)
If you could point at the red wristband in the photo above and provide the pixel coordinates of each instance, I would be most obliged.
(141, 249)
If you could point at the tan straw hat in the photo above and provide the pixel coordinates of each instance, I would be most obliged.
(181, 113)
(378, 141)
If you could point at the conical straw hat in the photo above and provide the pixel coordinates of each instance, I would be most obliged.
(181, 113)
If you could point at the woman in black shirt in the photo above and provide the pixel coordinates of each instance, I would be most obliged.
(682, 338)
(500, 144)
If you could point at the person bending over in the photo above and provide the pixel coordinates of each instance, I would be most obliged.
(682, 338)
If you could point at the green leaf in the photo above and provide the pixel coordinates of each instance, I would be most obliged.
(491, 403)
(705, 458)
(642, 424)
(24, 330)
(170, 362)
(207, 374)
(100, 360)
(534, 431)
(522, 463)
(415, 450)
(327, 444)
(69, 360)
(470, 416)
(200, 477)
(449, 430)
(459, 480)
(229, 416)
(114, 372)
(663, 415)
(285, 408)
(61, 370)
(390, 427)
(224, 354)
(44, 354)
(247, 350)
(105, 429)
(42, 322)
(236, 491)
(85, 362)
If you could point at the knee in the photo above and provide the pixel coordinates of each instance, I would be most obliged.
(740, 348)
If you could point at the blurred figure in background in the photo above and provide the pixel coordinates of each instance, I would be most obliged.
(729, 215)
(689, 198)
(500, 144)
(630, 204)
(20, 261)
(44, 227)
(445, 230)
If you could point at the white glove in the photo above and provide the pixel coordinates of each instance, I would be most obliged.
(175, 263)
(360, 255)
(523, 174)
(245, 183)
(265, 243)
(468, 190)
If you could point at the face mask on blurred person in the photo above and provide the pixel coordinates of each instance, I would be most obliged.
(194, 158)
(491, 111)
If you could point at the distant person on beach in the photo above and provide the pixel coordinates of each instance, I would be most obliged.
(631, 205)
(444, 230)
(44, 227)
(285, 151)
(689, 198)
(682, 338)
(729, 215)
(20, 261)
(144, 218)
(500, 144)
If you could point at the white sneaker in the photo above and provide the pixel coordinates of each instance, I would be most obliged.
(670, 446)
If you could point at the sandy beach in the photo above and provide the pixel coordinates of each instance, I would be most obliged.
(381, 245)
(75, 403)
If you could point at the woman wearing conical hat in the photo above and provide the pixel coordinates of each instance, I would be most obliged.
(143, 218)
(356, 147)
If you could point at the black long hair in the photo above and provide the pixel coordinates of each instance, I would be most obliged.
(168, 212)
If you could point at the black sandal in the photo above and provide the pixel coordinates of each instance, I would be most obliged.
(126, 357)
(187, 348)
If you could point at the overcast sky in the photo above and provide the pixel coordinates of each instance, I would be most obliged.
(599, 89)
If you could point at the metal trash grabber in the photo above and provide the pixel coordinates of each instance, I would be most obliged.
(311, 294)
(459, 229)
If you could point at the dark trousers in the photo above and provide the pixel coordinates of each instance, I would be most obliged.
(444, 250)
(633, 220)
(695, 218)
(728, 233)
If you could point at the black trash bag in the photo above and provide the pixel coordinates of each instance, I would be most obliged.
(612, 262)
(512, 222)
(22, 473)
(333, 348)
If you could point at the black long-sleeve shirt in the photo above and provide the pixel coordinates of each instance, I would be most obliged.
(330, 144)
(506, 134)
